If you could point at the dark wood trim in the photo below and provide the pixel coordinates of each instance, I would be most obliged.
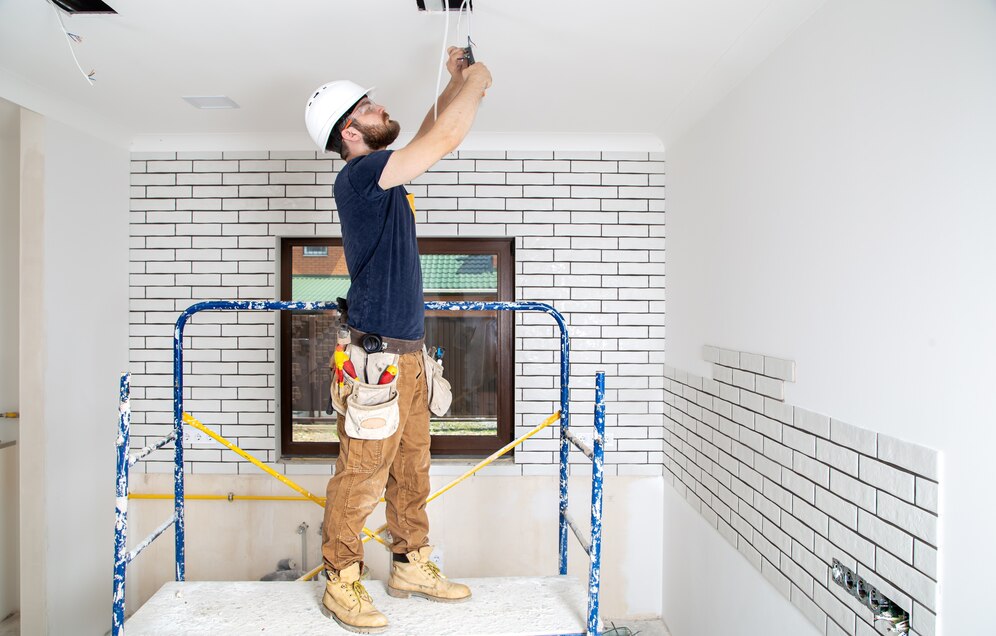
(445, 445)
(288, 447)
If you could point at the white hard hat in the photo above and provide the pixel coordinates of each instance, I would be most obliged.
(327, 105)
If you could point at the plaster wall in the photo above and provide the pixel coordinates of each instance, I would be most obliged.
(836, 210)
(699, 566)
(73, 344)
(9, 209)
(31, 374)
(490, 525)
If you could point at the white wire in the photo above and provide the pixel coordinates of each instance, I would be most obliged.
(469, 33)
(443, 56)
(69, 41)
(442, 61)
(460, 20)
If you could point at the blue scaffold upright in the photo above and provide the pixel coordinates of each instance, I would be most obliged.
(590, 543)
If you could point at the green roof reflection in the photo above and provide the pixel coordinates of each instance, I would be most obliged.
(441, 273)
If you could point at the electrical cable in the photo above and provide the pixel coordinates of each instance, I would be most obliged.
(443, 55)
(470, 39)
(72, 37)
(442, 61)
(619, 631)
(469, 32)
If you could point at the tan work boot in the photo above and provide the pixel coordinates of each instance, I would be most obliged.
(347, 601)
(422, 577)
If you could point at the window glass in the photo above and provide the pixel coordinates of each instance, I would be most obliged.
(470, 341)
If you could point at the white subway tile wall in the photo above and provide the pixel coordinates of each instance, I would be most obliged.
(792, 490)
(589, 239)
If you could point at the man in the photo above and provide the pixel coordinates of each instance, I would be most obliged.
(385, 300)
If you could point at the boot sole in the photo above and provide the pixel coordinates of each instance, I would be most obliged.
(352, 628)
(396, 593)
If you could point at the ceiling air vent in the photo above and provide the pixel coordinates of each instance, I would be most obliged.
(440, 5)
(83, 6)
(210, 102)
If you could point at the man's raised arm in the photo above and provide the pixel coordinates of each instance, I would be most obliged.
(455, 65)
(445, 134)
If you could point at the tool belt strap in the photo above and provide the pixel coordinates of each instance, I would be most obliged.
(391, 345)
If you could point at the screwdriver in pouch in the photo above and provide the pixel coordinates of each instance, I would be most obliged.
(348, 367)
(389, 374)
(340, 359)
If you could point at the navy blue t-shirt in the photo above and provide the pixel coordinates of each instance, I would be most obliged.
(378, 237)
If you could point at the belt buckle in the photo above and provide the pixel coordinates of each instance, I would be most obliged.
(372, 343)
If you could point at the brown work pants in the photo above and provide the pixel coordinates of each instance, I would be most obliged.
(365, 467)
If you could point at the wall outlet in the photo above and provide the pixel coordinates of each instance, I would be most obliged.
(194, 437)
(437, 557)
(883, 609)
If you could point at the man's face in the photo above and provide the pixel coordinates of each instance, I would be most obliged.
(374, 124)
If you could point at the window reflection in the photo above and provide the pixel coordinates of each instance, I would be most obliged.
(469, 339)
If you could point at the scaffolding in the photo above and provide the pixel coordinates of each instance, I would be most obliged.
(590, 543)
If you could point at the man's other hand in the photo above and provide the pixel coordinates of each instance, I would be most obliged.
(456, 63)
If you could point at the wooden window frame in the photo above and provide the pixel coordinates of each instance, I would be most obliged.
(441, 445)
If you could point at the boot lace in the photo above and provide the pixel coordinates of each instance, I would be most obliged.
(433, 570)
(361, 592)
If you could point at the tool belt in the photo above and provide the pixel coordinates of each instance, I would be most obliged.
(372, 343)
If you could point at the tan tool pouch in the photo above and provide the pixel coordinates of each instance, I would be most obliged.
(440, 392)
(371, 409)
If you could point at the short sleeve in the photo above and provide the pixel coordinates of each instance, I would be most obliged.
(364, 174)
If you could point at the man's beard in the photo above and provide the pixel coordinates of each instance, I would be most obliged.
(379, 136)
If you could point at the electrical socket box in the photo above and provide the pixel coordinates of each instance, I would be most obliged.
(883, 608)
(194, 437)
(437, 557)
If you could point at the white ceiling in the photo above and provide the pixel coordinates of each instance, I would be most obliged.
(643, 68)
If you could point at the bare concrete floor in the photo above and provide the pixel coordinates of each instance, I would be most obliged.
(12, 627)
(636, 628)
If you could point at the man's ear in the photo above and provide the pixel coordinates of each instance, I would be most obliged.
(351, 134)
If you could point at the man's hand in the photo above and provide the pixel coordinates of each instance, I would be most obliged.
(455, 64)
(478, 72)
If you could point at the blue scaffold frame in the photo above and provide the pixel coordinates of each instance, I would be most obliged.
(590, 544)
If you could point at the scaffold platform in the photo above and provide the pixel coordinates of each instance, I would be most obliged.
(507, 606)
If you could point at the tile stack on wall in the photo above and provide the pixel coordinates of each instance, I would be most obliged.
(792, 490)
(588, 230)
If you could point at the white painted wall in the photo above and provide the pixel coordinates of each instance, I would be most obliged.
(490, 525)
(73, 344)
(10, 125)
(31, 372)
(837, 210)
(710, 588)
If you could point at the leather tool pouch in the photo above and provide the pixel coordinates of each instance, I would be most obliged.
(440, 392)
(369, 410)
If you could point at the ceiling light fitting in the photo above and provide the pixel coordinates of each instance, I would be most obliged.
(211, 102)
(83, 6)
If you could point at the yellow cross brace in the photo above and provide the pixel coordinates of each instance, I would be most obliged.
(191, 420)
(371, 534)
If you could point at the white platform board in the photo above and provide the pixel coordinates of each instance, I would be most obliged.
(527, 606)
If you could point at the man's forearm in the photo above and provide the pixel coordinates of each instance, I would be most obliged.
(459, 115)
(444, 99)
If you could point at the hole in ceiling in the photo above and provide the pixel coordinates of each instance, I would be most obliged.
(83, 6)
(439, 5)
